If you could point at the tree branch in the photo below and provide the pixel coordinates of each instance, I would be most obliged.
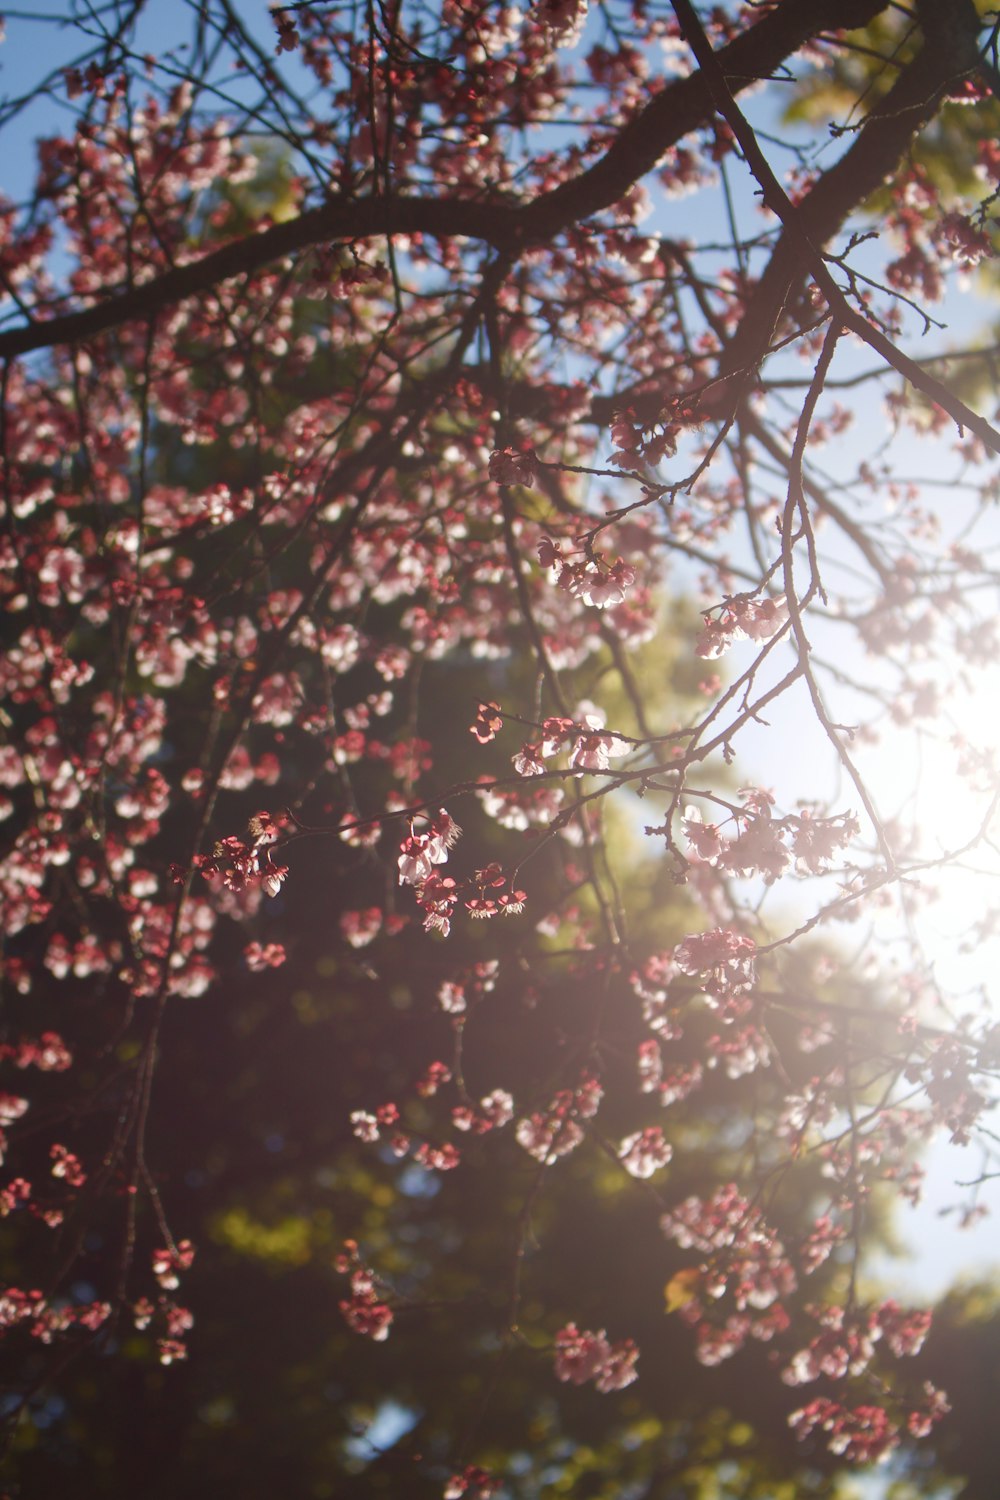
(671, 115)
(914, 98)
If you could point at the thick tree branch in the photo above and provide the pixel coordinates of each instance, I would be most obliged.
(914, 98)
(684, 105)
(671, 115)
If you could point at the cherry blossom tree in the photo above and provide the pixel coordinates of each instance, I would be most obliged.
(498, 508)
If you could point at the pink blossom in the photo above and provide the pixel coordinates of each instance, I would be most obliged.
(740, 1049)
(360, 928)
(416, 861)
(451, 998)
(679, 1082)
(436, 1074)
(757, 850)
(487, 723)
(367, 1316)
(67, 1166)
(602, 587)
(557, 731)
(580, 1356)
(437, 1158)
(546, 1137)
(935, 1406)
(142, 1312)
(528, 760)
(716, 638)
(619, 1367)
(549, 554)
(904, 1330)
(746, 1257)
(508, 466)
(259, 957)
(815, 841)
(497, 1108)
(863, 1434)
(760, 619)
(645, 1152)
(594, 750)
(967, 243)
(288, 33)
(170, 1351)
(587, 1096)
(12, 1107)
(365, 1126)
(473, 1482)
(564, 19)
(721, 956)
(170, 1262)
(444, 835)
(438, 896)
(583, 1355)
(271, 879)
(703, 838)
(650, 1066)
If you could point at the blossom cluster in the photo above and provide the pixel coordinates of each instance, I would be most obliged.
(591, 578)
(741, 619)
(583, 1356)
(365, 1311)
(553, 1132)
(846, 1346)
(866, 1433)
(764, 844)
(585, 739)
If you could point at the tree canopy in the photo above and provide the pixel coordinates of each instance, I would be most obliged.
(498, 765)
